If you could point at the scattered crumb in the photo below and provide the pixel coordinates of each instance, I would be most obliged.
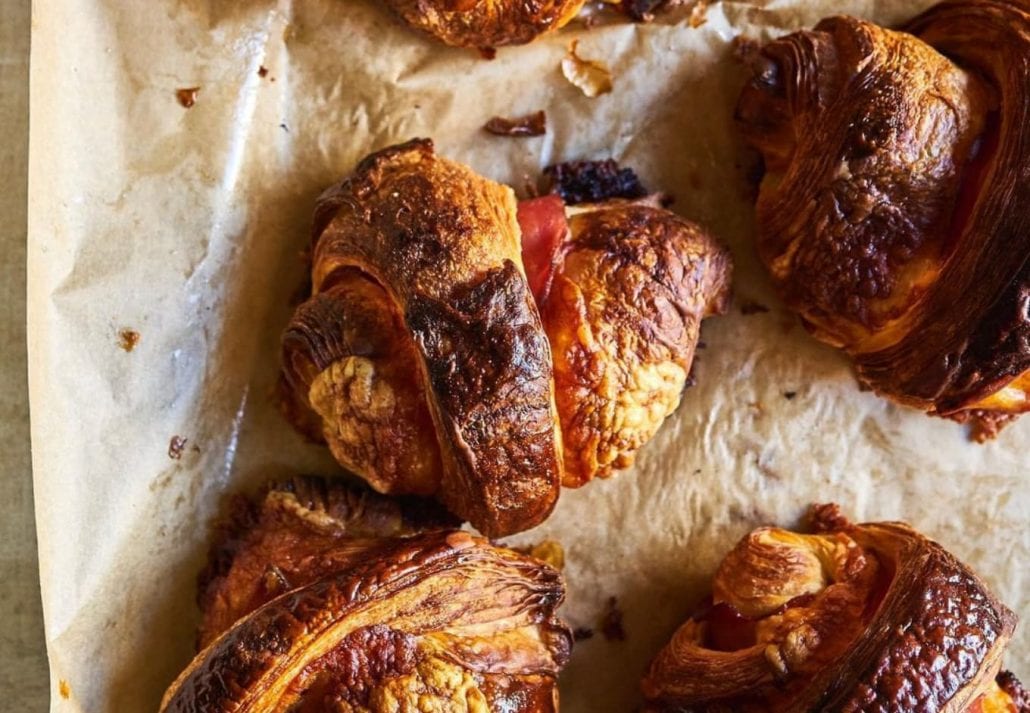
(701, 344)
(698, 13)
(789, 395)
(549, 551)
(176, 447)
(284, 128)
(487, 53)
(582, 633)
(128, 339)
(187, 97)
(748, 307)
(757, 406)
(611, 621)
(590, 76)
(262, 71)
(64, 689)
(534, 124)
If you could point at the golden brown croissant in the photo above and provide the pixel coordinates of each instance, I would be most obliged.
(325, 599)
(421, 354)
(486, 23)
(871, 617)
(894, 215)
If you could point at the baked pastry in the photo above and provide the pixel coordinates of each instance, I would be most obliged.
(424, 354)
(893, 215)
(870, 617)
(321, 598)
(486, 23)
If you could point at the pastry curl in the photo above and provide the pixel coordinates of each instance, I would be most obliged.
(870, 617)
(445, 319)
(324, 599)
(486, 23)
(893, 214)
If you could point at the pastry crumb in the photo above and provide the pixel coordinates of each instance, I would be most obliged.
(128, 339)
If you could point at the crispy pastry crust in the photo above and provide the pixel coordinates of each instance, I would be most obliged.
(420, 315)
(893, 216)
(623, 317)
(485, 23)
(870, 617)
(368, 616)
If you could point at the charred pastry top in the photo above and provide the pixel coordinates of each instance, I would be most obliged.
(421, 347)
(444, 318)
(485, 23)
(326, 599)
(850, 618)
(893, 214)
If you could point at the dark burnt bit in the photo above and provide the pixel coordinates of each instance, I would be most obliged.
(593, 181)
(176, 446)
(128, 339)
(611, 621)
(790, 395)
(534, 124)
(188, 96)
(641, 10)
(1008, 682)
(262, 71)
(582, 633)
(749, 307)
(488, 53)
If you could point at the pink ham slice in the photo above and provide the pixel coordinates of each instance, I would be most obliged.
(544, 232)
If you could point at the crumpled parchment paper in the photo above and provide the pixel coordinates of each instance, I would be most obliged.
(185, 227)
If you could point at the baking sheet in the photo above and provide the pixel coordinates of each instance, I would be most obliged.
(185, 227)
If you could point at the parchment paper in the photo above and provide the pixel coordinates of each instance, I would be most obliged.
(185, 225)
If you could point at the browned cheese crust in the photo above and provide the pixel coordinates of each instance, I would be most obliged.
(870, 617)
(485, 23)
(623, 317)
(322, 599)
(421, 348)
(894, 212)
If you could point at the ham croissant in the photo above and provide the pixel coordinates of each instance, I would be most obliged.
(894, 215)
(486, 23)
(871, 617)
(325, 599)
(461, 346)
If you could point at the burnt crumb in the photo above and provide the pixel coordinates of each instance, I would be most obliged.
(748, 307)
(262, 71)
(593, 181)
(641, 10)
(128, 339)
(611, 621)
(176, 446)
(582, 633)
(534, 124)
(488, 53)
(701, 344)
(285, 128)
(790, 395)
(188, 96)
